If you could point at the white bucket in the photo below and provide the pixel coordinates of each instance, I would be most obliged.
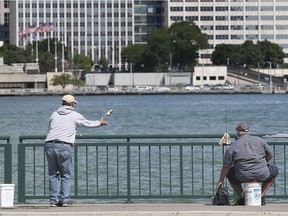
(252, 193)
(6, 195)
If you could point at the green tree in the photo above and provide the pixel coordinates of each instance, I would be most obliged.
(248, 53)
(223, 52)
(103, 62)
(62, 79)
(159, 49)
(272, 52)
(49, 56)
(13, 54)
(135, 54)
(46, 62)
(251, 54)
(82, 62)
(185, 41)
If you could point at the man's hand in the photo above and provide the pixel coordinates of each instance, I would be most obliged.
(102, 122)
(219, 184)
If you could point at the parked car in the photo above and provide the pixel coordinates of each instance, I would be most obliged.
(192, 88)
(162, 88)
(143, 88)
(110, 88)
(228, 87)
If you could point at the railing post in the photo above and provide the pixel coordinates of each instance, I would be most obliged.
(181, 169)
(128, 173)
(8, 163)
(75, 170)
(21, 172)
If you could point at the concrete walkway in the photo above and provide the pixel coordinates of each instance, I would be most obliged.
(146, 210)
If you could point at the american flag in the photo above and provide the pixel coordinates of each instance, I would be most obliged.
(32, 28)
(45, 27)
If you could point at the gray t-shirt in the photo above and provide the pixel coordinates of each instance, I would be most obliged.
(248, 156)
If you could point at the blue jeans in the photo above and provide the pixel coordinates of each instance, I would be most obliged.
(59, 166)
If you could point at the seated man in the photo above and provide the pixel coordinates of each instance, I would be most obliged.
(246, 160)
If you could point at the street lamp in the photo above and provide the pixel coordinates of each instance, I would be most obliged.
(270, 77)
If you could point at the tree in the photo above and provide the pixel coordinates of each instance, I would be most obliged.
(82, 62)
(251, 54)
(46, 62)
(62, 79)
(135, 54)
(185, 41)
(272, 52)
(13, 54)
(248, 53)
(159, 48)
(103, 62)
(179, 43)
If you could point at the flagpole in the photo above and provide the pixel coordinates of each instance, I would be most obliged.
(37, 59)
(63, 53)
(48, 41)
(56, 69)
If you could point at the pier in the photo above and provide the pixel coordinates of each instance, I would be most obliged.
(168, 209)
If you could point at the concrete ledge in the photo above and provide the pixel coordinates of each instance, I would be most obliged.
(146, 210)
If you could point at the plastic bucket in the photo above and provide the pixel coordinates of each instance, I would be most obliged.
(252, 193)
(6, 195)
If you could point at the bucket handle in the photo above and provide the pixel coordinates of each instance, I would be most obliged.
(242, 194)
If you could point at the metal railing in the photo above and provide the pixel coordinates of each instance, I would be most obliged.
(6, 159)
(133, 167)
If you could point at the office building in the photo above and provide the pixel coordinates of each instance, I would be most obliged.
(95, 28)
(4, 21)
(102, 28)
(233, 21)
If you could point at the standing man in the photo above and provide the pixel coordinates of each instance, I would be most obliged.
(58, 147)
(246, 160)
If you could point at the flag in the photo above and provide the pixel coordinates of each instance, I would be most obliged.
(34, 36)
(32, 28)
(50, 27)
(45, 27)
(41, 28)
(23, 33)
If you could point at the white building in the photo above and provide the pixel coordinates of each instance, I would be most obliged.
(233, 21)
(98, 28)
(95, 28)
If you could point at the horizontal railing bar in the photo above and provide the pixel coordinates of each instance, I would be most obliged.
(152, 136)
(151, 144)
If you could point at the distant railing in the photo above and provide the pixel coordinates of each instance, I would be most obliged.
(5, 160)
(138, 167)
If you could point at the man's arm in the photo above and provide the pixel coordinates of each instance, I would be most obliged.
(224, 171)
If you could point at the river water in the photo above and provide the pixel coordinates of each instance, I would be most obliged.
(151, 114)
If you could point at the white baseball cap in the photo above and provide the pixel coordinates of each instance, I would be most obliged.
(69, 99)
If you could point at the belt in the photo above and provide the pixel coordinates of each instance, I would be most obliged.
(60, 142)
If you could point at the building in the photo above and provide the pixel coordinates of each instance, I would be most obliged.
(102, 28)
(232, 21)
(95, 28)
(4, 21)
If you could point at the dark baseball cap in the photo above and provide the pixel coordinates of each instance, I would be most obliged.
(242, 127)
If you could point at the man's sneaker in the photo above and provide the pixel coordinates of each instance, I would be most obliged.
(240, 201)
(66, 204)
(263, 201)
(55, 204)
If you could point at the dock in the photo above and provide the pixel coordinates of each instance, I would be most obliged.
(146, 209)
